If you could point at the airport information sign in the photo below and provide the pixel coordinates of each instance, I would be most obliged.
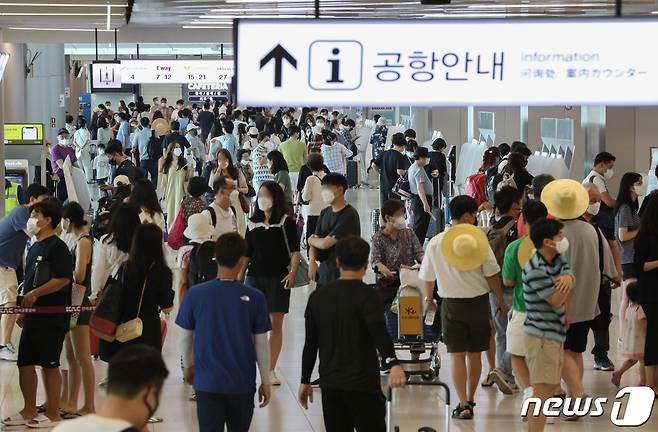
(23, 133)
(446, 62)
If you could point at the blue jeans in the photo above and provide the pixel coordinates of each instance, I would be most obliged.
(214, 410)
(151, 167)
(503, 358)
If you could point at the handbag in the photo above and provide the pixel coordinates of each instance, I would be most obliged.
(104, 319)
(402, 188)
(133, 329)
(175, 236)
(301, 277)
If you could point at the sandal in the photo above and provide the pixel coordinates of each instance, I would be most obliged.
(41, 409)
(488, 381)
(66, 415)
(15, 420)
(41, 422)
(463, 412)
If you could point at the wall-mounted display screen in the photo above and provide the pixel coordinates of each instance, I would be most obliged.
(106, 75)
(23, 133)
(176, 71)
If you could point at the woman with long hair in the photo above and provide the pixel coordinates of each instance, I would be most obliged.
(104, 133)
(272, 246)
(144, 197)
(279, 168)
(225, 167)
(175, 173)
(646, 267)
(312, 192)
(77, 345)
(147, 289)
(113, 247)
(82, 144)
(627, 225)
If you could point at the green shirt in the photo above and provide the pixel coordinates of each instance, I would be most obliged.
(512, 271)
(293, 152)
(284, 177)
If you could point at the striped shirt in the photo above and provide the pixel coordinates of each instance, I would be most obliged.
(544, 320)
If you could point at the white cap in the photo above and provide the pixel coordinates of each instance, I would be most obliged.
(121, 180)
(253, 131)
(192, 126)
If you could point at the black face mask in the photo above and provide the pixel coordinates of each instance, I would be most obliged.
(112, 162)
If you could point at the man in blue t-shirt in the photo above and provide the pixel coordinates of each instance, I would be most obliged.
(13, 239)
(225, 325)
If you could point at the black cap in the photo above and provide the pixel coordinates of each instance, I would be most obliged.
(421, 152)
(63, 131)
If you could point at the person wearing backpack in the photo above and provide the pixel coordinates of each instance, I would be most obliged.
(515, 173)
(220, 213)
(502, 233)
(197, 263)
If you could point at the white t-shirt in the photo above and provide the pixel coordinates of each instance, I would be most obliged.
(453, 283)
(598, 180)
(157, 219)
(226, 220)
(93, 422)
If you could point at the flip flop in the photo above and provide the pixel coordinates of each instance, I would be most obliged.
(488, 381)
(41, 422)
(15, 420)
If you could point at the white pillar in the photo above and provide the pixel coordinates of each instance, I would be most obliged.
(421, 122)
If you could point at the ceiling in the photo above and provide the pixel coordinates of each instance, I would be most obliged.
(195, 20)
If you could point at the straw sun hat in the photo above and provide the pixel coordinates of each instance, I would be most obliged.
(465, 247)
(565, 199)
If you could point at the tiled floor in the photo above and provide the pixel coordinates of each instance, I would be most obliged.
(414, 406)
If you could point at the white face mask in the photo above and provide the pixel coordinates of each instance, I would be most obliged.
(244, 162)
(320, 125)
(328, 196)
(409, 154)
(101, 151)
(63, 141)
(317, 129)
(264, 203)
(32, 227)
(286, 122)
(178, 152)
(400, 223)
(608, 174)
(639, 190)
(562, 246)
(593, 209)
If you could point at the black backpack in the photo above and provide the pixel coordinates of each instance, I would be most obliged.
(154, 147)
(203, 266)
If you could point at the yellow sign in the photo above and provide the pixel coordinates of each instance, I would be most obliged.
(409, 314)
(23, 133)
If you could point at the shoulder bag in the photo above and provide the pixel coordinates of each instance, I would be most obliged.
(104, 319)
(301, 277)
(133, 329)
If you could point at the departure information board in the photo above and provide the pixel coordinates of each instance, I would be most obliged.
(176, 71)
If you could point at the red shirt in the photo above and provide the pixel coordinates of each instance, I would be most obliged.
(520, 225)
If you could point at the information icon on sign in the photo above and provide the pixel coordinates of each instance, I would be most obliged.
(335, 65)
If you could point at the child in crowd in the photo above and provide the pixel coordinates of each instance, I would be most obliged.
(635, 333)
(547, 283)
(101, 165)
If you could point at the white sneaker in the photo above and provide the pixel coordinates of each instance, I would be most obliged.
(8, 353)
(274, 380)
(527, 393)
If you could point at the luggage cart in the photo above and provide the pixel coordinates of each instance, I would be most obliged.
(424, 360)
(389, 407)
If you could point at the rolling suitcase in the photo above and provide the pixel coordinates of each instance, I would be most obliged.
(352, 174)
(447, 413)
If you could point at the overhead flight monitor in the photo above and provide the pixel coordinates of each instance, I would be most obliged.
(445, 62)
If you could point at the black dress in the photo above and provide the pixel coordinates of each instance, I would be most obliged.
(158, 294)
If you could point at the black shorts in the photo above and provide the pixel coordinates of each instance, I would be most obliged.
(278, 298)
(40, 347)
(576, 340)
(465, 324)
